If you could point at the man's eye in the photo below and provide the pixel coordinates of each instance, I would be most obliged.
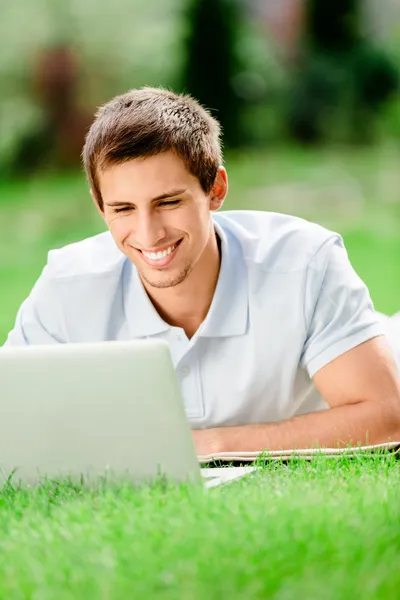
(169, 203)
(123, 209)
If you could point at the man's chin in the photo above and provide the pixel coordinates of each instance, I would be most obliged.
(162, 279)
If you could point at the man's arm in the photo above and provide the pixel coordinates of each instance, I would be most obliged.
(349, 361)
(362, 389)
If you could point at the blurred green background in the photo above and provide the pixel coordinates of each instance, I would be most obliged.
(307, 92)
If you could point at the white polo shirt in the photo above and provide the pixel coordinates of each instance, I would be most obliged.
(287, 302)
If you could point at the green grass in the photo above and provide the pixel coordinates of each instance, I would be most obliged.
(324, 530)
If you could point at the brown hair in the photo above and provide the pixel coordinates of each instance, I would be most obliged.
(147, 121)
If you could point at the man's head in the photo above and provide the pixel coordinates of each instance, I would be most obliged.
(154, 165)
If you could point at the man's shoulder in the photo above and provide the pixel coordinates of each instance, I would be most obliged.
(273, 240)
(91, 257)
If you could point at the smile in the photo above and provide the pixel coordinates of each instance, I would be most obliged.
(161, 258)
(159, 255)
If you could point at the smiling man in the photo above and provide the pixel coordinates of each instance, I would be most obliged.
(274, 337)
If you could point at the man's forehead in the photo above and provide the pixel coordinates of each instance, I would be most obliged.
(149, 177)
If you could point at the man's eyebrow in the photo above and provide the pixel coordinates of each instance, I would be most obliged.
(156, 199)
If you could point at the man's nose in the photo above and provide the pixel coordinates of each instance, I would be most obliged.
(149, 230)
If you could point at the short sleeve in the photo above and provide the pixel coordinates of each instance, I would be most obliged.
(339, 312)
(39, 320)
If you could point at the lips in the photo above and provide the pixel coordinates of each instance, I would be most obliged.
(161, 258)
(155, 256)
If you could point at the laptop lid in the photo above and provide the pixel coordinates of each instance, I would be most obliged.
(109, 409)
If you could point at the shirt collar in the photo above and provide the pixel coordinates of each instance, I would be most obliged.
(228, 313)
(142, 317)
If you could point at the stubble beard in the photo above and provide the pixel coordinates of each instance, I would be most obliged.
(167, 282)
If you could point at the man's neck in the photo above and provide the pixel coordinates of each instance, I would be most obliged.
(186, 305)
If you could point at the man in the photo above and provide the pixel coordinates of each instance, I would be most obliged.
(273, 335)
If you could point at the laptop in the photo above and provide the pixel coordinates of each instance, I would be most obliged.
(97, 410)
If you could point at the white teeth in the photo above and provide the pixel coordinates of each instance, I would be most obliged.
(159, 255)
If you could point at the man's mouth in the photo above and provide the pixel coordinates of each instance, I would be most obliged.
(161, 257)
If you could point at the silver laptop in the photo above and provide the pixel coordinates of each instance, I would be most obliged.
(101, 410)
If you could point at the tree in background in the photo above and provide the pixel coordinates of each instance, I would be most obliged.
(342, 79)
(212, 62)
(58, 137)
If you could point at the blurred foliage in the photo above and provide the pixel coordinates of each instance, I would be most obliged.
(60, 59)
(342, 79)
(115, 47)
(231, 69)
(212, 61)
(89, 51)
(388, 121)
(333, 26)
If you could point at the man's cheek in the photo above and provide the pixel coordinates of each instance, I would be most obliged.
(119, 230)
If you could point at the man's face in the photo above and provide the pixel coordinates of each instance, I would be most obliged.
(159, 216)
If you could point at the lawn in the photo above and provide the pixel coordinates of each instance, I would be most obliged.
(324, 530)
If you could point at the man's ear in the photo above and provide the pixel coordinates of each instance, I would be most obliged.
(219, 189)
